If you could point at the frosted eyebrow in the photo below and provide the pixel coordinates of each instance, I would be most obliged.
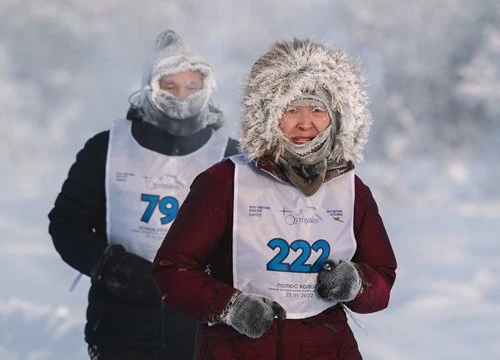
(318, 106)
(194, 84)
(165, 81)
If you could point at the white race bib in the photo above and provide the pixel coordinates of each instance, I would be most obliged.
(281, 237)
(144, 189)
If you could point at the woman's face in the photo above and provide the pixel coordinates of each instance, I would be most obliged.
(182, 84)
(300, 124)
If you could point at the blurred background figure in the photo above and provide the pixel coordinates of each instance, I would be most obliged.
(122, 194)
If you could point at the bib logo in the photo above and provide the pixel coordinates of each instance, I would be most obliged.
(302, 217)
(164, 182)
(257, 210)
(121, 176)
(336, 214)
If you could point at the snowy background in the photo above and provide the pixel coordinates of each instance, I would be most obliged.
(67, 68)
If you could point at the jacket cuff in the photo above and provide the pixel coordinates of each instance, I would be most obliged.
(364, 283)
(221, 306)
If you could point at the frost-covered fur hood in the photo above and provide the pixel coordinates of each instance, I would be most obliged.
(285, 72)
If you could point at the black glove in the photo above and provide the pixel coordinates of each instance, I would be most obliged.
(338, 280)
(253, 315)
(126, 275)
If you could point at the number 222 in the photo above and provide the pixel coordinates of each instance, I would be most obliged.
(299, 264)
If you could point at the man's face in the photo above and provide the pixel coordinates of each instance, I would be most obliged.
(300, 124)
(182, 84)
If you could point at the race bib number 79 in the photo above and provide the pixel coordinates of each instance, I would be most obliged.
(168, 207)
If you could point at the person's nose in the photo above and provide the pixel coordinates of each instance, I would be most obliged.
(182, 92)
(305, 121)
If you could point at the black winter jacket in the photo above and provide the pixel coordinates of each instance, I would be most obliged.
(78, 230)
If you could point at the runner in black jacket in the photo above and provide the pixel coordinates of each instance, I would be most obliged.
(121, 196)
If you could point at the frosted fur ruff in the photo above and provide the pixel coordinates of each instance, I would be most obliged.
(286, 71)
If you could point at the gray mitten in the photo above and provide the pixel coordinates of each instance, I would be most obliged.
(253, 315)
(338, 280)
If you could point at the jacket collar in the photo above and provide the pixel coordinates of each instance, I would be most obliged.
(273, 169)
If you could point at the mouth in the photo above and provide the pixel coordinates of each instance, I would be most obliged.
(298, 140)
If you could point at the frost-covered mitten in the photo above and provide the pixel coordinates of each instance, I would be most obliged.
(252, 315)
(338, 280)
(126, 275)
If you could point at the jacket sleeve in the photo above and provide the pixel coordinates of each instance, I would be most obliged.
(374, 257)
(179, 267)
(77, 220)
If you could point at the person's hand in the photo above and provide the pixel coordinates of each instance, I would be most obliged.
(338, 280)
(126, 275)
(253, 315)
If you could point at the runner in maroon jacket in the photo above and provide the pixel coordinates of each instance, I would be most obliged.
(269, 246)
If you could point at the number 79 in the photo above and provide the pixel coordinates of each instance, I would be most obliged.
(168, 206)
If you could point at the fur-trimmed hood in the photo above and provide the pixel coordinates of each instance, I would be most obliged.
(283, 74)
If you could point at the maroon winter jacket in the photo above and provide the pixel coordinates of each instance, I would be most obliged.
(201, 236)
